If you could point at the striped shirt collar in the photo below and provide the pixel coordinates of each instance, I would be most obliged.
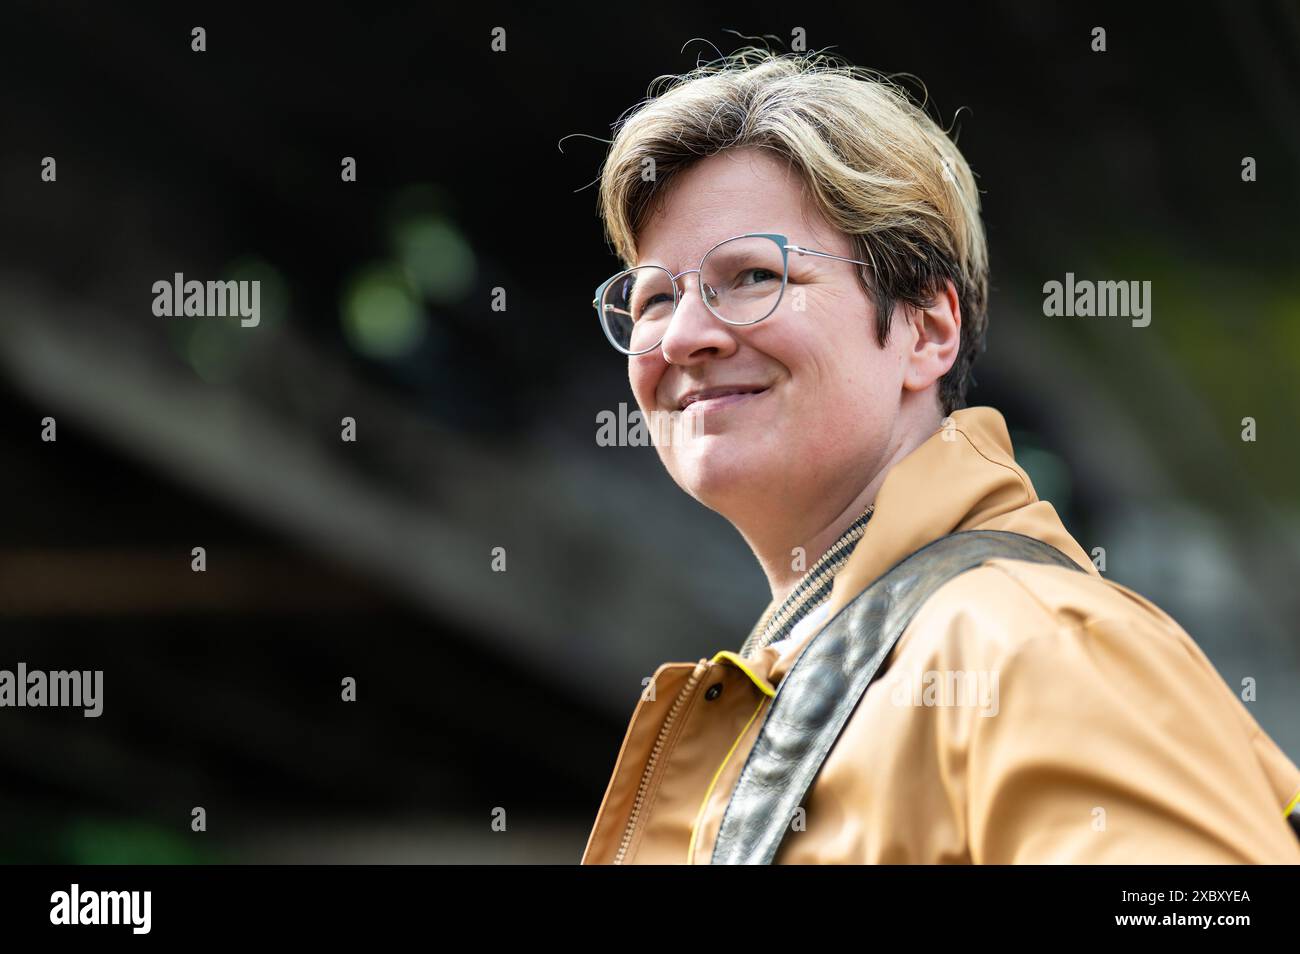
(812, 590)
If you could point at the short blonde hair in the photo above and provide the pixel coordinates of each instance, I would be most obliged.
(879, 169)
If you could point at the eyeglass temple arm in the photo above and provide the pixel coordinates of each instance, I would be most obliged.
(808, 251)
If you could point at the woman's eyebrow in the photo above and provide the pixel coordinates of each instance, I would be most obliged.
(652, 261)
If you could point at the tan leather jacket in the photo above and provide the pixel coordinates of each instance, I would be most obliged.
(1095, 730)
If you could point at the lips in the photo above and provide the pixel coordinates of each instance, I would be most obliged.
(707, 394)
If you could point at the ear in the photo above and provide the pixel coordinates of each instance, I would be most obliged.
(936, 338)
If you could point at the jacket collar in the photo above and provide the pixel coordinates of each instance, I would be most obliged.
(963, 477)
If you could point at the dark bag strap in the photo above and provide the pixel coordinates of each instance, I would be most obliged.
(830, 676)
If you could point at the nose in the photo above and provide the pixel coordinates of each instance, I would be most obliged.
(694, 333)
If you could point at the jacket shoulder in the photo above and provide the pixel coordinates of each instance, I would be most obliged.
(993, 610)
(1106, 678)
(1006, 608)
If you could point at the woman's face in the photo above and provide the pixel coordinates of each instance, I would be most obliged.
(824, 420)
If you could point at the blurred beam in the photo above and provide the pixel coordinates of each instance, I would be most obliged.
(65, 582)
(415, 507)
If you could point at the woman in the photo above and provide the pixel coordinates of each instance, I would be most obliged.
(805, 289)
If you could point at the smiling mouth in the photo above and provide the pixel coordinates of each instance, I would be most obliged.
(708, 402)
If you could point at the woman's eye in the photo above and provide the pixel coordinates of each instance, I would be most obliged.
(654, 306)
(758, 275)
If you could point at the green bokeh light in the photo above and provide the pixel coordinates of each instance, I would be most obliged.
(382, 317)
(92, 841)
(436, 256)
(424, 237)
(215, 347)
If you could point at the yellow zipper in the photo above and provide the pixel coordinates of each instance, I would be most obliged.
(651, 762)
(699, 815)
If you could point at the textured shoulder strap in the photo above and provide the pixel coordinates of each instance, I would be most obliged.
(829, 677)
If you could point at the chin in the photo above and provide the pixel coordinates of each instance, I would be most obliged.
(715, 474)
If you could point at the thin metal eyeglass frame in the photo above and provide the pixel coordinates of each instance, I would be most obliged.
(782, 242)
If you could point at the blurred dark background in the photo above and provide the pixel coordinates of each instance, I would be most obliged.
(480, 690)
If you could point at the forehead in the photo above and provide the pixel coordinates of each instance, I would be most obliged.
(733, 192)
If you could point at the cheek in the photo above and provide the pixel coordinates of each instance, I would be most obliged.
(847, 386)
(643, 375)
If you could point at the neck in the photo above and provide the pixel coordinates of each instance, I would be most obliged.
(813, 527)
(776, 548)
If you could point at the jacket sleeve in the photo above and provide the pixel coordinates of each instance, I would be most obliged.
(1117, 742)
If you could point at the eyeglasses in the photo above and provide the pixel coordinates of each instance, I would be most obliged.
(741, 279)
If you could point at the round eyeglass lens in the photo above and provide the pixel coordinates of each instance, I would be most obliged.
(745, 277)
(637, 306)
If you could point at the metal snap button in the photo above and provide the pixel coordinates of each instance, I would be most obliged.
(713, 692)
